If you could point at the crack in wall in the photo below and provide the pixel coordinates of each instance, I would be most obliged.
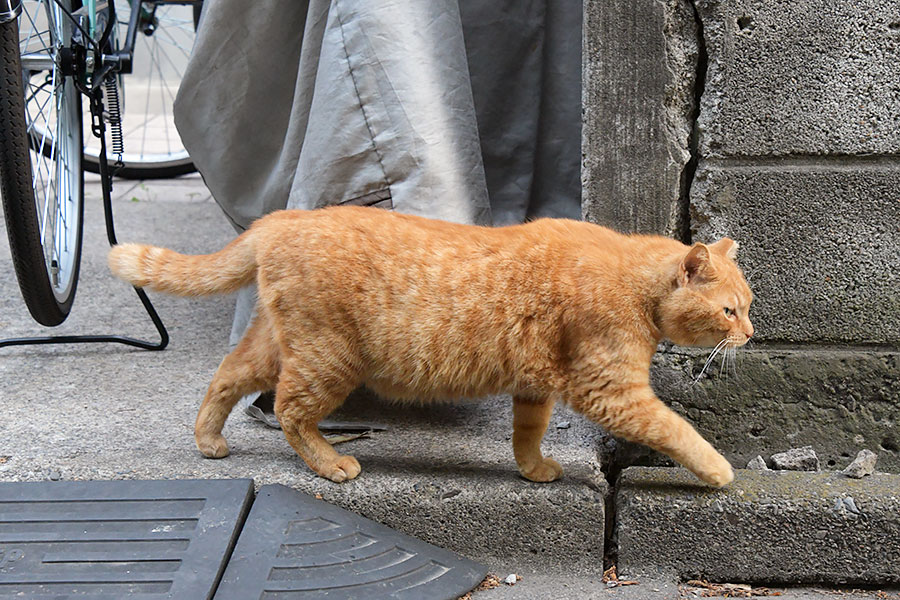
(690, 168)
(624, 454)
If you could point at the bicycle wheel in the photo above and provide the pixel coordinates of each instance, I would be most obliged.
(43, 189)
(153, 148)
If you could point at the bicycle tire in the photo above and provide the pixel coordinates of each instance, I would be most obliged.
(141, 170)
(174, 25)
(47, 294)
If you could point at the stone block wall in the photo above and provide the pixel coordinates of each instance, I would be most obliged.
(778, 124)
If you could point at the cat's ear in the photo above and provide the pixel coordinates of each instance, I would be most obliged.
(695, 264)
(727, 247)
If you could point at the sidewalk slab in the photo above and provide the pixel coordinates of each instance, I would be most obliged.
(766, 527)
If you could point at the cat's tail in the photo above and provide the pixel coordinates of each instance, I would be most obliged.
(163, 270)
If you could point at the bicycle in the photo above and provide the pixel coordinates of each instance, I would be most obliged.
(53, 52)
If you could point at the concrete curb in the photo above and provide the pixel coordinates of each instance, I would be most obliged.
(766, 527)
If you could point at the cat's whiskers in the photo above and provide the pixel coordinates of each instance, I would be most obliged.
(710, 360)
(747, 346)
(723, 367)
(750, 274)
(734, 360)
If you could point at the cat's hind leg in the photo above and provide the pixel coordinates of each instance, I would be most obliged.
(530, 419)
(307, 392)
(251, 367)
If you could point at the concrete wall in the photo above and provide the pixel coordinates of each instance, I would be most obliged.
(638, 103)
(793, 148)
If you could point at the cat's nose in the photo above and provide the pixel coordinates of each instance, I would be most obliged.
(749, 331)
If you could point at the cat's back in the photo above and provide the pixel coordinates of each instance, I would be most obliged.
(345, 224)
(354, 234)
(354, 237)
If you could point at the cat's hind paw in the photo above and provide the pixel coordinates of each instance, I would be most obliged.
(543, 472)
(343, 469)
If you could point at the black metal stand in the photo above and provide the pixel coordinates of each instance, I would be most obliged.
(99, 130)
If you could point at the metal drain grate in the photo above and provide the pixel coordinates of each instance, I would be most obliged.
(296, 547)
(115, 539)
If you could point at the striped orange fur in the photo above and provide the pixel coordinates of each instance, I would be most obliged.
(419, 310)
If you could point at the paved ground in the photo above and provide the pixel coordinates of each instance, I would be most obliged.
(445, 474)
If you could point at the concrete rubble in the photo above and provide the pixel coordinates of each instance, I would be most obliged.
(796, 459)
(758, 464)
(862, 465)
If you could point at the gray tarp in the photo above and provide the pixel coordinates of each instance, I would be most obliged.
(463, 110)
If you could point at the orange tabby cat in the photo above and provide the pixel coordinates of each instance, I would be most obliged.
(417, 309)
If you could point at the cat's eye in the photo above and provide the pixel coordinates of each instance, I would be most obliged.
(729, 312)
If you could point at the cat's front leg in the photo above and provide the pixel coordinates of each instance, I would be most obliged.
(530, 419)
(633, 411)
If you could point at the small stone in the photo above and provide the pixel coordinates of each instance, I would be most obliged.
(717, 506)
(758, 464)
(54, 475)
(450, 494)
(851, 505)
(862, 465)
(796, 459)
(563, 425)
(511, 579)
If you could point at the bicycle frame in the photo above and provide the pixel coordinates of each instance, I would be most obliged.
(104, 60)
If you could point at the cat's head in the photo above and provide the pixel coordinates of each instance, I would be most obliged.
(709, 300)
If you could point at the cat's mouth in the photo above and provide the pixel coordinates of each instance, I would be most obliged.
(736, 341)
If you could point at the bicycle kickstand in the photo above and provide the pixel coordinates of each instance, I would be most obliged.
(98, 128)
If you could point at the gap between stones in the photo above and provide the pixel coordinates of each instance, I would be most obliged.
(615, 466)
(690, 169)
(610, 537)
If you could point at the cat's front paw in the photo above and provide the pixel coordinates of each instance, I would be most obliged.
(545, 471)
(344, 468)
(213, 446)
(718, 473)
